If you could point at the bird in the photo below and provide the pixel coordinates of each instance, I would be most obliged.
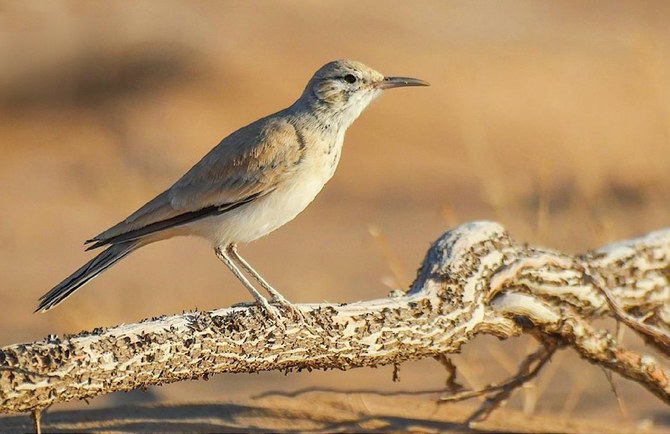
(254, 181)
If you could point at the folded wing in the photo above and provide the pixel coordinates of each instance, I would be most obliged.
(245, 166)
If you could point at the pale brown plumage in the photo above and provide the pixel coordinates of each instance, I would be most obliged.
(252, 182)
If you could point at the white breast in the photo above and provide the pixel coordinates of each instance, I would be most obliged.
(266, 214)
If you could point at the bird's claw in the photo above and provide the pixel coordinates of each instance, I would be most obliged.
(288, 306)
(275, 316)
(275, 312)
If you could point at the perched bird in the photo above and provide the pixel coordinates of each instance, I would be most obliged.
(254, 181)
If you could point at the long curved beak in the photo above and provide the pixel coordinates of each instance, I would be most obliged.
(391, 82)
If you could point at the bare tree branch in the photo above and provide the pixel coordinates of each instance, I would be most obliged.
(475, 279)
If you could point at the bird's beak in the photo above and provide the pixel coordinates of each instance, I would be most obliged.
(391, 82)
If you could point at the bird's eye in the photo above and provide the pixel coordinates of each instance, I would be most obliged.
(350, 78)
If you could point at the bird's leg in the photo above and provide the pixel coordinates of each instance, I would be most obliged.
(276, 296)
(234, 254)
(223, 255)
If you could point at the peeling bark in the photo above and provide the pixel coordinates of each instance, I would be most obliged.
(475, 279)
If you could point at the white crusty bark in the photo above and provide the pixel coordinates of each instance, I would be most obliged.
(474, 279)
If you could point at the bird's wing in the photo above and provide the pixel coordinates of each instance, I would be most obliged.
(245, 166)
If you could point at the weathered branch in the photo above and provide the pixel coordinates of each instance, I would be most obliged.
(474, 279)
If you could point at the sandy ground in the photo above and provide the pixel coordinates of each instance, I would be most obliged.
(550, 117)
(312, 412)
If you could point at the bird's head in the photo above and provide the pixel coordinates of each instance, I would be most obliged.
(343, 88)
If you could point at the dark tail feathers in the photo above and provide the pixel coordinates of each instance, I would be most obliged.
(83, 275)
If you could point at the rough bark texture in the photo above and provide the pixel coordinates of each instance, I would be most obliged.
(474, 279)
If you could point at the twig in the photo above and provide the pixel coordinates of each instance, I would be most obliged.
(615, 391)
(36, 416)
(306, 390)
(653, 335)
(528, 369)
(450, 383)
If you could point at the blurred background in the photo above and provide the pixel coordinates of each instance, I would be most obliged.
(550, 117)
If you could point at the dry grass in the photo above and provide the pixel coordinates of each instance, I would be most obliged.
(550, 117)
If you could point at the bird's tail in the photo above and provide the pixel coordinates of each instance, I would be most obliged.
(83, 275)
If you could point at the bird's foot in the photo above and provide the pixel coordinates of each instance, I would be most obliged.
(275, 311)
(275, 316)
(286, 305)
